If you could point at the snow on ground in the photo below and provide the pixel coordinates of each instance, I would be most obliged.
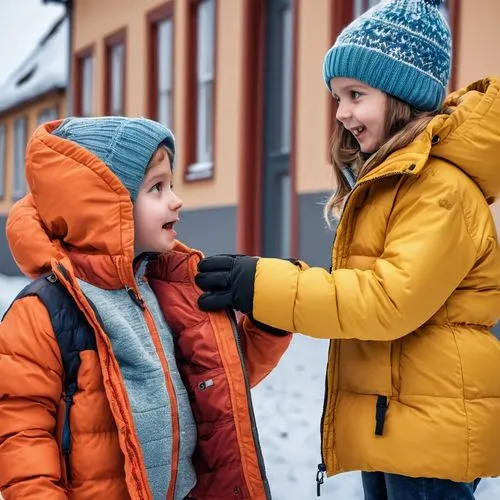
(9, 288)
(288, 405)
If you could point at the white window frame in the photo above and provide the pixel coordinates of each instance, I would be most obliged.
(20, 140)
(205, 59)
(87, 85)
(47, 115)
(164, 64)
(116, 78)
(3, 132)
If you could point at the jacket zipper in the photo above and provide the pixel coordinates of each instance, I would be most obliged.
(148, 317)
(322, 466)
(109, 369)
(260, 458)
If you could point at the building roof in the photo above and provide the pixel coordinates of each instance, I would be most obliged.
(44, 70)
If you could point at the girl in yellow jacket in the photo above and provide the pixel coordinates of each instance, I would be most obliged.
(413, 377)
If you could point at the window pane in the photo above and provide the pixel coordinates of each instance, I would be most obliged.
(47, 115)
(116, 90)
(286, 216)
(204, 123)
(2, 160)
(164, 65)
(360, 6)
(20, 133)
(208, 121)
(445, 10)
(164, 53)
(205, 40)
(164, 111)
(286, 82)
(87, 83)
(204, 76)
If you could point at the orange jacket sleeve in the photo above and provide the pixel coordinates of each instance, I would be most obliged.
(262, 350)
(30, 389)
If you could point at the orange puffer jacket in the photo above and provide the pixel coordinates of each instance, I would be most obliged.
(78, 223)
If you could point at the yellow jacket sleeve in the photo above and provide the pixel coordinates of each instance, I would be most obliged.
(428, 251)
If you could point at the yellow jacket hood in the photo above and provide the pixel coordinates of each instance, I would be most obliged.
(469, 137)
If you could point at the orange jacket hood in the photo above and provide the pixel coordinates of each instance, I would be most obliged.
(74, 199)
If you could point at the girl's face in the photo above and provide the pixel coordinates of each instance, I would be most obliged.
(362, 111)
(156, 210)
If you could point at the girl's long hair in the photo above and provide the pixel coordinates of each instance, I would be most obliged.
(403, 124)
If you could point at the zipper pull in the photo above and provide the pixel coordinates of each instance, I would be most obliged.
(135, 297)
(320, 478)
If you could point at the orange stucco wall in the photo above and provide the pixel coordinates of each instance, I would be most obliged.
(95, 19)
(478, 49)
(31, 112)
(479, 40)
(313, 103)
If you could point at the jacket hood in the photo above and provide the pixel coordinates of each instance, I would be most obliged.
(76, 204)
(470, 137)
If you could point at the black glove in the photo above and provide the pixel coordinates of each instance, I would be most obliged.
(228, 282)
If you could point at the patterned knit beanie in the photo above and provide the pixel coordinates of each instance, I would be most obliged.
(401, 47)
(125, 145)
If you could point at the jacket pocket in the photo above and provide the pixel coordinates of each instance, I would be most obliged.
(210, 398)
(365, 367)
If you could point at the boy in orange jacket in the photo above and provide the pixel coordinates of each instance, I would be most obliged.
(161, 403)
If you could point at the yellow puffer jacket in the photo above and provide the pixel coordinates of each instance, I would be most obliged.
(413, 377)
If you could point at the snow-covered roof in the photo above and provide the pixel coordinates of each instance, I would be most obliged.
(45, 69)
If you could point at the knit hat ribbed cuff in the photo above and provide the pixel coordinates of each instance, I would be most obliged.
(380, 71)
(125, 145)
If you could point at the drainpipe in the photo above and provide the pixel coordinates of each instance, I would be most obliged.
(69, 87)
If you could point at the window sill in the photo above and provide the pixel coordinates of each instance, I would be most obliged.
(200, 171)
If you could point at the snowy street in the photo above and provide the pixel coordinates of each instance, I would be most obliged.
(288, 407)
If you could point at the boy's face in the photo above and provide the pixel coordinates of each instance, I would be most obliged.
(156, 210)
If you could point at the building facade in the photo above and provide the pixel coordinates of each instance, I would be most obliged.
(239, 82)
(34, 93)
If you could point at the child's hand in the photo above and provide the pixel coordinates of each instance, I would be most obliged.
(228, 282)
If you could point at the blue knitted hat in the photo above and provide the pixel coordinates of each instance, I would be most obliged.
(402, 47)
(125, 145)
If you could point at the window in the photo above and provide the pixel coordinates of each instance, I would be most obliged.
(161, 64)
(115, 74)
(20, 139)
(47, 115)
(201, 166)
(360, 6)
(445, 10)
(84, 91)
(286, 79)
(285, 124)
(164, 77)
(2, 161)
